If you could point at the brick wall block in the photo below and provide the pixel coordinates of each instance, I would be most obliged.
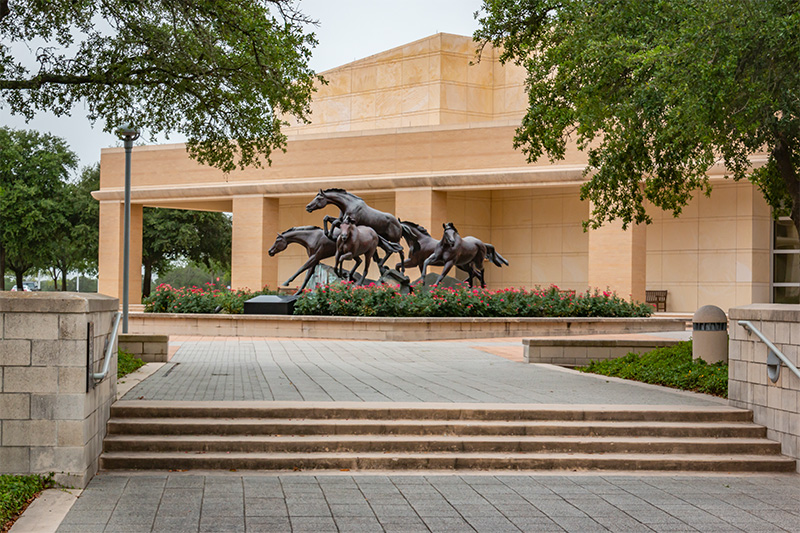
(71, 380)
(69, 459)
(14, 460)
(58, 353)
(71, 432)
(15, 406)
(57, 406)
(30, 326)
(15, 352)
(29, 433)
(72, 326)
(30, 379)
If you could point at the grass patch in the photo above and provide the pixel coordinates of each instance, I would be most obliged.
(16, 492)
(127, 363)
(672, 367)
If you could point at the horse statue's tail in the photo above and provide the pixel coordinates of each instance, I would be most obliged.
(394, 247)
(494, 257)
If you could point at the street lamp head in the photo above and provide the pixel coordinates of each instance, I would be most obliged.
(127, 132)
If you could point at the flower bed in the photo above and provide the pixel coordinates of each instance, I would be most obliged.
(346, 299)
(208, 299)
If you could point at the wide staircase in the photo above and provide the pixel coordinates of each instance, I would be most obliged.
(356, 436)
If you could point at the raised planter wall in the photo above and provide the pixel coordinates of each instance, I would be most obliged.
(388, 329)
(580, 352)
(51, 418)
(774, 405)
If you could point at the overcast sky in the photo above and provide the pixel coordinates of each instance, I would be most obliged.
(348, 30)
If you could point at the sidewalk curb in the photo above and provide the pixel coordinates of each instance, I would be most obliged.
(46, 512)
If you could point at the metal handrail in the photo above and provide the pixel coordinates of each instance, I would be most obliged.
(774, 357)
(100, 376)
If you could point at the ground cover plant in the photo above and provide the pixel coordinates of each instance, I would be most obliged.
(346, 299)
(16, 492)
(127, 363)
(671, 366)
(207, 299)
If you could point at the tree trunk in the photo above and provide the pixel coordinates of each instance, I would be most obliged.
(64, 280)
(19, 274)
(146, 281)
(783, 159)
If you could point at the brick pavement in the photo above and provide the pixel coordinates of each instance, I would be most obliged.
(313, 370)
(173, 502)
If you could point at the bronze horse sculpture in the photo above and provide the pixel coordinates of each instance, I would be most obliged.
(420, 247)
(353, 242)
(317, 244)
(384, 224)
(467, 253)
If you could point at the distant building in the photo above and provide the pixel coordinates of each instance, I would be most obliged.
(421, 132)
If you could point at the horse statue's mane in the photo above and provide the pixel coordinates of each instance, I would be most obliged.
(335, 189)
(300, 228)
(416, 226)
(450, 225)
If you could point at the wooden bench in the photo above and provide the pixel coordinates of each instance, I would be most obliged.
(657, 298)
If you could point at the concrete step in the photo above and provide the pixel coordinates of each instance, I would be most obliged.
(415, 444)
(255, 426)
(426, 411)
(457, 461)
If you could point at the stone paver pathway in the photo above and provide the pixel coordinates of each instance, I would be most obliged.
(439, 503)
(313, 370)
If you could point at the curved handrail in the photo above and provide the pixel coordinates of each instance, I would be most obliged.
(774, 357)
(100, 376)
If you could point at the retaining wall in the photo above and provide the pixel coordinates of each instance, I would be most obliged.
(775, 405)
(51, 417)
(388, 329)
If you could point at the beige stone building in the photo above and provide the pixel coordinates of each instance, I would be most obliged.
(425, 132)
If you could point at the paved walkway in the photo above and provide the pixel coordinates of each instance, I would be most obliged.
(448, 503)
(314, 370)
(457, 371)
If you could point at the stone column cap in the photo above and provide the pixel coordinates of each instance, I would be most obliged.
(56, 302)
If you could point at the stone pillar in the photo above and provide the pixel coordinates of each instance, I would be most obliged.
(617, 259)
(774, 404)
(110, 253)
(424, 206)
(255, 223)
(52, 419)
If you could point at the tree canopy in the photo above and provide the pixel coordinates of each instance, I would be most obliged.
(657, 92)
(33, 170)
(220, 72)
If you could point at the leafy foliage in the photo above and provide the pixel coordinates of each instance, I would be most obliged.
(17, 491)
(208, 299)
(170, 234)
(346, 299)
(221, 72)
(657, 92)
(671, 367)
(34, 168)
(127, 363)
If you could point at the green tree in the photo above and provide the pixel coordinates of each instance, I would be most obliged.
(33, 170)
(170, 234)
(73, 244)
(656, 92)
(221, 72)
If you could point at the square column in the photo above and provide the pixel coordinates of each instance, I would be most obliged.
(617, 259)
(110, 251)
(424, 206)
(255, 224)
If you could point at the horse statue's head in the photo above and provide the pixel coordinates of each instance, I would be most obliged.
(279, 245)
(319, 201)
(450, 233)
(347, 227)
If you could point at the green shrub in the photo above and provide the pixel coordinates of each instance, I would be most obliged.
(127, 363)
(346, 299)
(16, 492)
(671, 367)
(168, 299)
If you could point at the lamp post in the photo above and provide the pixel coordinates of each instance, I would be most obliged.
(127, 134)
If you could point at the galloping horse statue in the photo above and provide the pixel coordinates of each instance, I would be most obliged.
(353, 242)
(420, 247)
(317, 244)
(467, 253)
(384, 224)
